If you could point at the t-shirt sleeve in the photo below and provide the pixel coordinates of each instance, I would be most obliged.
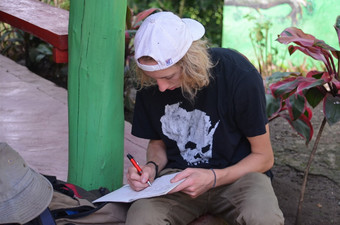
(250, 103)
(244, 85)
(142, 125)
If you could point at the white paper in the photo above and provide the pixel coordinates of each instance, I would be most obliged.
(160, 186)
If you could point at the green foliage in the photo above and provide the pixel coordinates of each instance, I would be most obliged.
(64, 4)
(266, 54)
(41, 51)
(12, 42)
(18, 45)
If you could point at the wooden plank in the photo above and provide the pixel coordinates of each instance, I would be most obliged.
(44, 21)
(60, 56)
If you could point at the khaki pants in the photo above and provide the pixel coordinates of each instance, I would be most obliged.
(250, 200)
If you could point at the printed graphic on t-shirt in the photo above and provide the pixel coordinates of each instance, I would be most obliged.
(192, 131)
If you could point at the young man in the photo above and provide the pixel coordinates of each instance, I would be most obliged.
(204, 113)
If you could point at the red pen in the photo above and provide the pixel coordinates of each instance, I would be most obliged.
(136, 165)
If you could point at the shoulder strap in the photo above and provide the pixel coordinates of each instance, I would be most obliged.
(76, 212)
(46, 218)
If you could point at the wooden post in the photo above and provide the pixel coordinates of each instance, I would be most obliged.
(95, 93)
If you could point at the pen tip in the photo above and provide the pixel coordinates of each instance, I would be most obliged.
(129, 156)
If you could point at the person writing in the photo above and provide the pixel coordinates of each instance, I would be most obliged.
(204, 112)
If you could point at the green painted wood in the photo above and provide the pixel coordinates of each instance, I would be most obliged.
(95, 88)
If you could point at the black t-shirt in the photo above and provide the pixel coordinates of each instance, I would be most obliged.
(212, 131)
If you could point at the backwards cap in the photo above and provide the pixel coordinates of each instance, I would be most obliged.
(166, 38)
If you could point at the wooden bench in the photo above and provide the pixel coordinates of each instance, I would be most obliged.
(42, 20)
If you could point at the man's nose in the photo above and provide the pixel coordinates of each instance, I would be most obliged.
(162, 85)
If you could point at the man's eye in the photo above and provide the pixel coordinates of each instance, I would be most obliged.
(169, 78)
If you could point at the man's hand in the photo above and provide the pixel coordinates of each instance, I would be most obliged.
(197, 181)
(139, 182)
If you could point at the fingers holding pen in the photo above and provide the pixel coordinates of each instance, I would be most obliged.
(136, 181)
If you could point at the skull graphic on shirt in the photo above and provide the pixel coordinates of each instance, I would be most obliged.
(192, 132)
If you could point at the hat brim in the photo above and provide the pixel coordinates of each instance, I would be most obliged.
(29, 203)
(197, 30)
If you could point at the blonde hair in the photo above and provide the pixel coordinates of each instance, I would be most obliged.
(195, 65)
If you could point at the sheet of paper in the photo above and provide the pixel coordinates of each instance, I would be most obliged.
(160, 186)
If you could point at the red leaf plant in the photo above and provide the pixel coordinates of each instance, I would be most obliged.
(290, 94)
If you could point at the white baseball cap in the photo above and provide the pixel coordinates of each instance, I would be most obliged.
(166, 38)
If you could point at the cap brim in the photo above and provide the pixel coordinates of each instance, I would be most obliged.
(196, 28)
(29, 203)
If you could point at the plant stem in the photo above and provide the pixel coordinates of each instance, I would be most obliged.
(338, 75)
(305, 176)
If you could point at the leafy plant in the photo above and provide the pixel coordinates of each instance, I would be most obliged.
(12, 42)
(64, 4)
(290, 94)
(41, 51)
(266, 55)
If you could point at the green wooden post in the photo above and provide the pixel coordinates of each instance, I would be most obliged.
(95, 93)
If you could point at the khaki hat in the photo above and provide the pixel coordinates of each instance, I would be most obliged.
(24, 193)
(166, 38)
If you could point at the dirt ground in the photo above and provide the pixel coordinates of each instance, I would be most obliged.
(322, 197)
(321, 202)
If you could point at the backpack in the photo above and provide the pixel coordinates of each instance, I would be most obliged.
(72, 205)
(45, 218)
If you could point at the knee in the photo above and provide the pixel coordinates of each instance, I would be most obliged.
(262, 220)
(261, 217)
(145, 212)
(260, 205)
